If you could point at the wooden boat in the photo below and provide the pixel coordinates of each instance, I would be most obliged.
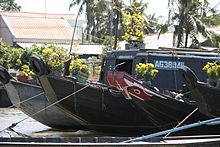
(207, 96)
(160, 108)
(105, 109)
(31, 99)
(166, 61)
(98, 106)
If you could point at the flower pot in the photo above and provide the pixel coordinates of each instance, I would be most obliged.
(22, 78)
(75, 73)
(147, 83)
(218, 83)
(83, 74)
(56, 73)
(212, 82)
(82, 77)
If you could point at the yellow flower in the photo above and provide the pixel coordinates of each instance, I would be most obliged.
(25, 70)
(145, 71)
(47, 51)
(212, 70)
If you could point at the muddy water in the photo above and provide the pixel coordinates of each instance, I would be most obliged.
(29, 127)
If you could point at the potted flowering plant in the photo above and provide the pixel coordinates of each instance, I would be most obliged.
(55, 58)
(75, 66)
(80, 70)
(145, 72)
(133, 26)
(212, 70)
(24, 73)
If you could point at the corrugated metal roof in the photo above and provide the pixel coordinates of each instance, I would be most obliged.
(39, 28)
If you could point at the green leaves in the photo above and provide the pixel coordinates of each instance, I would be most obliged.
(9, 5)
(190, 18)
(163, 29)
(4, 1)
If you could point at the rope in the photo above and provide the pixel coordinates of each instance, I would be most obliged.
(74, 99)
(26, 100)
(182, 121)
(174, 71)
(21, 134)
(14, 124)
(103, 99)
(199, 123)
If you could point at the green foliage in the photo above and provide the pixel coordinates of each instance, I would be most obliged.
(4, 59)
(18, 58)
(10, 57)
(189, 20)
(106, 43)
(10, 5)
(163, 29)
(133, 23)
(212, 41)
(212, 20)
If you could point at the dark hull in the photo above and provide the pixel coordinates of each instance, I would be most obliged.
(168, 111)
(207, 96)
(4, 99)
(51, 116)
(97, 107)
(172, 116)
(162, 110)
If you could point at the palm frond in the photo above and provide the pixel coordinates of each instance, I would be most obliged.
(163, 29)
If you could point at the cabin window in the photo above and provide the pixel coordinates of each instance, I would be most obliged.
(126, 66)
(143, 61)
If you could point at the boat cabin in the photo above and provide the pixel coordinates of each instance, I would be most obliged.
(166, 61)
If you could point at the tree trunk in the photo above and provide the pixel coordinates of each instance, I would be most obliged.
(186, 39)
(180, 34)
(116, 29)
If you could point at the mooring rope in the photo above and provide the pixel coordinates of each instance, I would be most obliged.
(26, 100)
(21, 134)
(10, 128)
(14, 124)
(199, 123)
(182, 121)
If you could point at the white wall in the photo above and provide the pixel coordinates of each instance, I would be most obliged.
(5, 33)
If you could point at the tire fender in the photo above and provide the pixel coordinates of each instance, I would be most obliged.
(188, 76)
(38, 65)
